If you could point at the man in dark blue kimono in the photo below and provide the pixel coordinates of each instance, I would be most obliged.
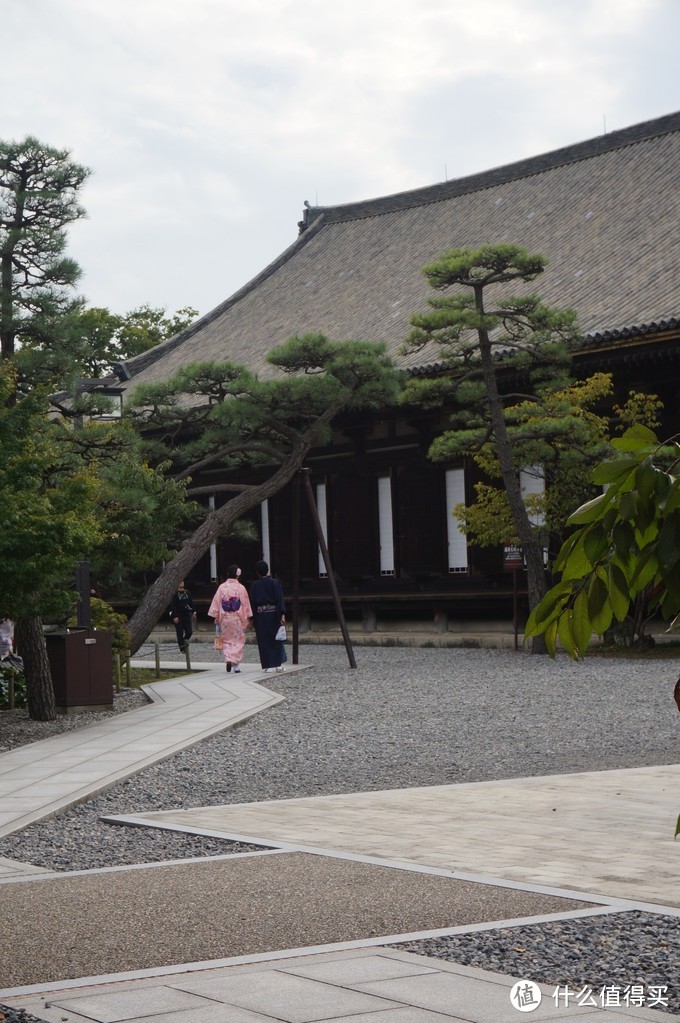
(269, 612)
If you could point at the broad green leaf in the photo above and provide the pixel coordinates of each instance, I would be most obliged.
(646, 568)
(662, 486)
(547, 607)
(669, 605)
(646, 534)
(599, 608)
(568, 548)
(636, 438)
(645, 478)
(550, 637)
(580, 622)
(672, 502)
(619, 597)
(615, 471)
(595, 543)
(609, 519)
(645, 516)
(565, 634)
(625, 561)
(668, 547)
(677, 828)
(672, 585)
(628, 506)
(623, 539)
(590, 511)
(577, 563)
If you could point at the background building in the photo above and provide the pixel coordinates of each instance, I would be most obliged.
(606, 214)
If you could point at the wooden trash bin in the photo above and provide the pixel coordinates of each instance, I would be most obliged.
(82, 669)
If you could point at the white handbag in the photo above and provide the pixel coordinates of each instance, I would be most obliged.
(281, 634)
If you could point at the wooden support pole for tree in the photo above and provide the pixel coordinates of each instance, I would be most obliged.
(296, 569)
(329, 568)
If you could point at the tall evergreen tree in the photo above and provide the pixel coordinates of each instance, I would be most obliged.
(475, 341)
(39, 189)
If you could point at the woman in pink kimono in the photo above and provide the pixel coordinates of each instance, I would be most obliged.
(231, 610)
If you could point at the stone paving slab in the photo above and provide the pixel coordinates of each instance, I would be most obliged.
(349, 986)
(606, 833)
(16, 870)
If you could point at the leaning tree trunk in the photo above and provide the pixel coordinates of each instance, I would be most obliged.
(536, 580)
(33, 649)
(218, 522)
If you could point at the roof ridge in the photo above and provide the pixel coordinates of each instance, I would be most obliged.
(527, 167)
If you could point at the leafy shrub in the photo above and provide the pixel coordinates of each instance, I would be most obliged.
(105, 618)
(19, 688)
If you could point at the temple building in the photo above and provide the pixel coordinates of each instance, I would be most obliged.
(606, 215)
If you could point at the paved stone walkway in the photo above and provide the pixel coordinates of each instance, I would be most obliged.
(38, 780)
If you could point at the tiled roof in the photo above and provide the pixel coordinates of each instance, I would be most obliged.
(605, 213)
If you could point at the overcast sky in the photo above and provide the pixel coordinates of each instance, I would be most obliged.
(207, 123)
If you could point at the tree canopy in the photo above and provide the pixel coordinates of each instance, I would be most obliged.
(71, 489)
(87, 342)
(48, 515)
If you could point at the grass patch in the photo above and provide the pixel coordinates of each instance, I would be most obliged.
(144, 676)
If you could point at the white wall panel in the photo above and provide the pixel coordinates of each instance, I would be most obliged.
(385, 525)
(457, 542)
(266, 549)
(322, 509)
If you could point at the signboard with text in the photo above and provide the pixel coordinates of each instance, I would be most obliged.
(513, 558)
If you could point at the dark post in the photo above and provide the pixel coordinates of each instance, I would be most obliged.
(296, 568)
(329, 569)
(83, 614)
(515, 614)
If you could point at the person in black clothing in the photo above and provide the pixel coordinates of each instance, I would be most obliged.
(269, 612)
(182, 615)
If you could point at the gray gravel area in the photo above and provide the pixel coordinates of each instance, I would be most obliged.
(407, 717)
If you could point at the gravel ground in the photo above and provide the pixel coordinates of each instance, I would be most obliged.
(407, 717)
(230, 906)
